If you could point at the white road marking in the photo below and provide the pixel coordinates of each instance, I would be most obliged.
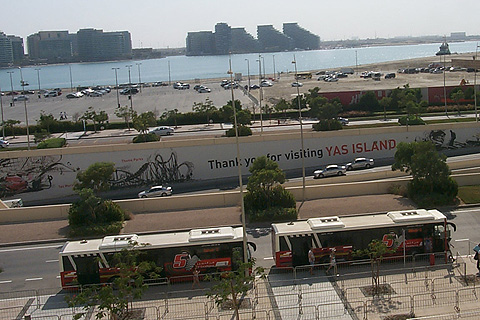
(268, 258)
(48, 261)
(5, 281)
(33, 279)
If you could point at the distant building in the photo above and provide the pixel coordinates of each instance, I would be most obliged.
(272, 40)
(227, 40)
(200, 43)
(6, 50)
(50, 46)
(96, 45)
(302, 39)
(458, 35)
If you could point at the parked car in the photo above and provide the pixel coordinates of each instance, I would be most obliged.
(204, 90)
(360, 163)
(343, 121)
(266, 83)
(390, 75)
(21, 97)
(156, 191)
(163, 131)
(4, 143)
(74, 95)
(129, 91)
(52, 93)
(297, 84)
(331, 170)
(254, 86)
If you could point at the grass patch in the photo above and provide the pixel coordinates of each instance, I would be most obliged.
(469, 194)
(450, 120)
(52, 143)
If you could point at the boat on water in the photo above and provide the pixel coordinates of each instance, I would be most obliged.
(444, 49)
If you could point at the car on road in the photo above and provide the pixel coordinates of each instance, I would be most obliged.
(49, 94)
(343, 121)
(204, 90)
(330, 170)
(156, 191)
(74, 95)
(266, 83)
(4, 143)
(129, 91)
(21, 97)
(297, 84)
(390, 75)
(360, 163)
(163, 131)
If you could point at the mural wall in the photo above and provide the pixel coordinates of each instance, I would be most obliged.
(44, 177)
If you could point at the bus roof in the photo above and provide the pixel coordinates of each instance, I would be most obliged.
(158, 240)
(359, 222)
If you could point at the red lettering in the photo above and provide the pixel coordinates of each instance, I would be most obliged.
(344, 149)
(383, 145)
(359, 147)
(329, 149)
(392, 144)
(374, 146)
(180, 260)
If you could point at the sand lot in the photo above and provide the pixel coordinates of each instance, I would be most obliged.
(161, 99)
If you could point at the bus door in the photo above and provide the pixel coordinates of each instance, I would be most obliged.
(300, 246)
(87, 269)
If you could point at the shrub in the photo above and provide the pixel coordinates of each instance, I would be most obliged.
(397, 189)
(242, 131)
(278, 197)
(443, 193)
(52, 143)
(273, 214)
(327, 125)
(147, 137)
(412, 121)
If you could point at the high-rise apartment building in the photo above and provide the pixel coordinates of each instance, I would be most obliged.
(302, 38)
(223, 38)
(50, 46)
(18, 50)
(96, 45)
(243, 42)
(200, 43)
(6, 51)
(272, 40)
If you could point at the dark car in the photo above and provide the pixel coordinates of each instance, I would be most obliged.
(129, 91)
(390, 75)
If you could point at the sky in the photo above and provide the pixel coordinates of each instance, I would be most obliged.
(165, 23)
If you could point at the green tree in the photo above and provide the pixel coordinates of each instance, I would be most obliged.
(375, 252)
(126, 113)
(101, 117)
(282, 106)
(95, 177)
(457, 97)
(46, 121)
(115, 301)
(41, 135)
(369, 102)
(144, 120)
(230, 286)
(206, 108)
(10, 124)
(316, 104)
(330, 110)
(385, 103)
(90, 115)
(431, 182)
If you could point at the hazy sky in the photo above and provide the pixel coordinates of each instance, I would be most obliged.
(165, 23)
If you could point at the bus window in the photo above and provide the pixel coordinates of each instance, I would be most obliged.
(87, 270)
(67, 265)
(283, 244)
(300, 246)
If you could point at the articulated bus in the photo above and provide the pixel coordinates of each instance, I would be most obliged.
(210, 250)
(420, 231)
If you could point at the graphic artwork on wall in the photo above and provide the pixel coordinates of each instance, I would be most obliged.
(155, 171)
(20, 175)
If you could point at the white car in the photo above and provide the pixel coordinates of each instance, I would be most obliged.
(156, 191)
(21, 97)
(4, 143)
(331, 170)
(360, 163)
(343, 121)
(163, 131)
(297, 84)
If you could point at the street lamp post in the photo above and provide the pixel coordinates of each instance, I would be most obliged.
(274, 72)
(116, 85)
(263, 61)
(25, 107)
(71, 78)
(475, 83)
(239, 165)
(301, 133)
(139, 77)
(11, 85)
(38, 79)
(3, 121)
(130, 95)
(260, 93)
(169, 77)
(248, 73)
(444, 87)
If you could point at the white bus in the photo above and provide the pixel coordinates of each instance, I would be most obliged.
(210, 250)
(424, 231)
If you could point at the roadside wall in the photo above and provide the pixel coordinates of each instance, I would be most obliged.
(50, 173)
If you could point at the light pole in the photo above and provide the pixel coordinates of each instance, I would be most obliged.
(169, 78)
(130, 94)
(263, 61)
(71, 79)
(248, 72)
(116, 85)
(274, 72)
(475, 83)
(301, 134)
(139, 78)
(38, 79)
(356, 62)
(25, 106)
(11, 85)
(3, 121)
(260, 93)
(444, 87)
(239, 165)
